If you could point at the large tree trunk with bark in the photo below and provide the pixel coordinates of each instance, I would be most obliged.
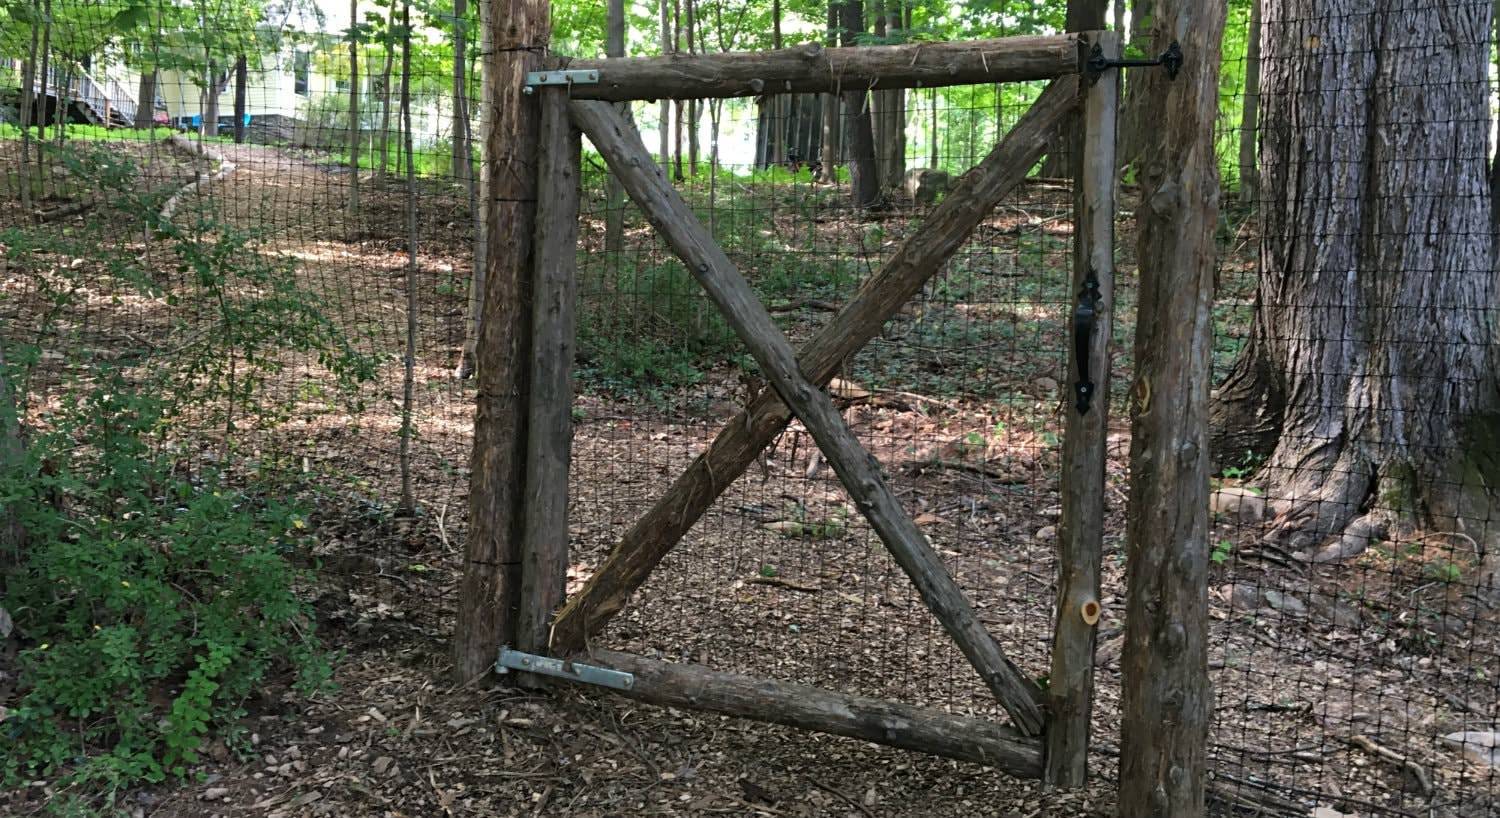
(1369, 358)
(864, 177)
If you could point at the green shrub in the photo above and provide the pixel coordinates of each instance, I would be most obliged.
(650, 328)
(151, 604)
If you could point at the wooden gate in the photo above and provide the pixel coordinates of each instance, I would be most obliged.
(1048, 731)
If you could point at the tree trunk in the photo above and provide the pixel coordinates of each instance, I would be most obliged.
(695, 106)
(932, 157)
(1369, 352)
(1250, 115)
(831, 135)
(864, 176)
(145, 109)
(408, 505)
(680, 106)
(385, 97)
(28, 111)
(209, 110)
(1166, 704)
(355, 131)
(479, 208)
(516, 32)
(241, 81)
(1495, 167)
(666, 104)
(1133, 126)
(12, 452)
(614, 207)
(890, 131)
(1083, 15)
(463, 146)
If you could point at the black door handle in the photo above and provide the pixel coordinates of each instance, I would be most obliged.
(1085, 317)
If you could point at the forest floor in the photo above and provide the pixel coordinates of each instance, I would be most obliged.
(1317, 670)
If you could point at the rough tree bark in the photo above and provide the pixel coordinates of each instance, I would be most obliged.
(1369, 358)
(864, 177)
(517, 32)
(1166, 696)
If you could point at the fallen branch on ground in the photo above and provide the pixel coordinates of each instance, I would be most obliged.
(195, 149)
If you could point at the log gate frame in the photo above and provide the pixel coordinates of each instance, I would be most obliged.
(1049, 731)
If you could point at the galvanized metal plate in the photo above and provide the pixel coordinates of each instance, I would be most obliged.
(535, 78)
(572, 671)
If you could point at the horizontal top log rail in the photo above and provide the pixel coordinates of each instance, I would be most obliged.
(811, 68)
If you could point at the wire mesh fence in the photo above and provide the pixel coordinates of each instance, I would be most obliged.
(261, 231)
(957, 398)
(1354, 582)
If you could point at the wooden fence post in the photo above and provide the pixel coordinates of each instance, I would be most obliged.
(544, 547)
(1166, 704)
(1070, 685)
(489, 596)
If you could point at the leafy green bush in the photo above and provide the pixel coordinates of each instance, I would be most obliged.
(151, 604)
(649, 328)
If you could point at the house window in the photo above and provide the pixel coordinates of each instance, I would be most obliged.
(301, 72)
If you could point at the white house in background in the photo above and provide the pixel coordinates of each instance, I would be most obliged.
(284, 85)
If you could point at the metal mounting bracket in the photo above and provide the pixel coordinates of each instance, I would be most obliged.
(536, 78)
(1171, 59)
(572, 671)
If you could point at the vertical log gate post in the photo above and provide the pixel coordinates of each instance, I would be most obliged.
(1070, 685)
(489, 597)
(622, 148)
(544, 544)
(1166, 704)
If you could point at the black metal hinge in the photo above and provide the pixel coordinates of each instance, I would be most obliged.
(1171, 59)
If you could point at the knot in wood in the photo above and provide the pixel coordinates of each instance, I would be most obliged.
(757, 85)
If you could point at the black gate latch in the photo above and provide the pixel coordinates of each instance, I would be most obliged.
(1171, 59)
(1085, 315)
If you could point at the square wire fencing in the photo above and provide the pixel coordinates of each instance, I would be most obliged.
(266, 226)
(1354, 591)
(275, 301)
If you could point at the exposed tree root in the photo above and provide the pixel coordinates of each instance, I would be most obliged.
(223, 166)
